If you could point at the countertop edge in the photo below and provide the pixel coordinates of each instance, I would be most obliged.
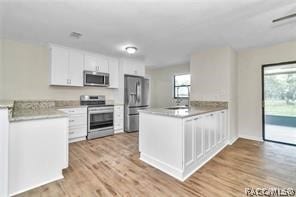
(182, 116)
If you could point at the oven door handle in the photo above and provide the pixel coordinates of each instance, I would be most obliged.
(101, 112)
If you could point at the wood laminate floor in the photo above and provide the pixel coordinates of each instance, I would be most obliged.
(111, 167)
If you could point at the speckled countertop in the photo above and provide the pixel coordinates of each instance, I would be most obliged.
(6, 104)
(34, 114)
(182, 113)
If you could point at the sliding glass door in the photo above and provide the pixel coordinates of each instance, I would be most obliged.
(279, 102)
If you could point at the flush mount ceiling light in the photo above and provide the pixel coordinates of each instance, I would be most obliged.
(75, 35)
(131, 50)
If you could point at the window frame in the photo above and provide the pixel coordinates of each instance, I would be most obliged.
(174, 86)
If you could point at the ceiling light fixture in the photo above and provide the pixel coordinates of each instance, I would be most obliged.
(75, 35)
(131, 50)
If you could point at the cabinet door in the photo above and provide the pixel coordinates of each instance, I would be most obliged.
(102, 64)
(224, 125)
(188, 143)
(75, 68)
(207, 134)
(198, 128)
(59, 66)
(219, 132)
(212, 119)
(114, 72)
(132, 67)
(90, 62)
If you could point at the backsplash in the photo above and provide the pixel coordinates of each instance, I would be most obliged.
(209, 104)
(33, 104)
(68, 103)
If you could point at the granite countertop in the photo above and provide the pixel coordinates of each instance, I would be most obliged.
(182, 113)
(6, 104)
(33, 114)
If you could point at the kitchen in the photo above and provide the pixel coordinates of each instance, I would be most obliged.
(94, 111)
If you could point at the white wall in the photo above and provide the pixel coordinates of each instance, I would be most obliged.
(249, 84)
(1, 65)
(161, 84)
(214, 78)
(211, 74)
(26, 75)
(1, 72)
(4, 135)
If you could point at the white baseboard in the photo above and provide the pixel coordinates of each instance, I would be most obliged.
(77, 139)
(118, 131)
(249, 137)
(204, 162)
(38, 185)
(231, 141)
(172, 171)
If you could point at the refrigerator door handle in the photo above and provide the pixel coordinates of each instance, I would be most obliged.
(138, 91)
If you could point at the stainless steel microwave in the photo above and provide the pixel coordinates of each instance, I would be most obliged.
(92, 78)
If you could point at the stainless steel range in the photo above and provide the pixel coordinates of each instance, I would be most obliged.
(100, 116)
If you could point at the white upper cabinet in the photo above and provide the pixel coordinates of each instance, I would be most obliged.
(66, 67)
(133, 67)
(95, 62)
(114, 72)
(59, 66)
(76, 68)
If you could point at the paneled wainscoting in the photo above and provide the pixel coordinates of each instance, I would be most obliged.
(111, 167)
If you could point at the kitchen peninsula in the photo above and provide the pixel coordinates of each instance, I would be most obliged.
(179, 140)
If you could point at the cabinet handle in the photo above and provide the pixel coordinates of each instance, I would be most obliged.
(71, 120)
(222, 112)
(212, 115)
(71, 132)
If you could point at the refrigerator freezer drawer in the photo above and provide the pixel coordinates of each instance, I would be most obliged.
(132, 123)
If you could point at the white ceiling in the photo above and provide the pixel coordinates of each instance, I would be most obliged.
(165, 31)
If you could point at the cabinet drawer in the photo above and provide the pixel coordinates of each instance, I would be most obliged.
(118, 108)
(118, 124)
(77, 132)
(118, 115)
(77, 120)
(70, 111)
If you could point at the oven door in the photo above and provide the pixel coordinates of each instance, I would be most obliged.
(100, 119)
(95, 79)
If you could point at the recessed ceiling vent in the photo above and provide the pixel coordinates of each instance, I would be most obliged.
(75, 35)
(284, 18)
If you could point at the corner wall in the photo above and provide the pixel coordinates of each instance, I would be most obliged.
(162, 84)
(250, 62)
(26, 75)
(214, 78)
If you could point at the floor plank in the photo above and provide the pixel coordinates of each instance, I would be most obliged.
(110, 167)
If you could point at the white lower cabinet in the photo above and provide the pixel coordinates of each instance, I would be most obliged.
(203, 135)
(77, 123)
(118, 118)
(180, 146)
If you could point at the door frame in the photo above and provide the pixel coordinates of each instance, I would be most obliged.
(263, 96)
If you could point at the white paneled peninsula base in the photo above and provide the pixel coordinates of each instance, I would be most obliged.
(179, 142)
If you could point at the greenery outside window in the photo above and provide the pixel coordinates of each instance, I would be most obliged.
(182, 86)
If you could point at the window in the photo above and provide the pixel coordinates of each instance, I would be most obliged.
(181, 86)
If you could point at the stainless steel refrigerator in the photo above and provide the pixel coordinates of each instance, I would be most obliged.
(136, 90)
